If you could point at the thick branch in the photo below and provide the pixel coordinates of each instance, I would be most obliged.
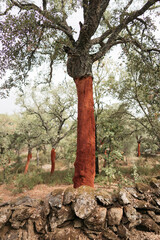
(54, 22)
(93, 13)
(7, 10)
(120, 27)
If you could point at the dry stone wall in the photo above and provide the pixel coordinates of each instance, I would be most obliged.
(84, 213)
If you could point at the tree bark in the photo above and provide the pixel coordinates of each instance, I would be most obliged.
(53, 157)
(139, 152)
(96, 147)
(28, 161)
(85, 159)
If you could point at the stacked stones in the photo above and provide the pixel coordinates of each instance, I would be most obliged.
(83, 214)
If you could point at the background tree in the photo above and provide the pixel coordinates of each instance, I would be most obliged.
(140, 87)
(39, 33)
(52, 110)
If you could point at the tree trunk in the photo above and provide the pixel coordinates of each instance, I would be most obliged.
(85, 159)
(28, 160)
(139, 152)
(96, 147)
(37, 157)
(53, 157)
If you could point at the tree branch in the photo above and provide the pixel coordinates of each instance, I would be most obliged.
(7, 10)
(52, 21)
(113, 36)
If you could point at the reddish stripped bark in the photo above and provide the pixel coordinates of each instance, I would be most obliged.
(53, 157)
(85, 159)
(139, 152)
(28, 161)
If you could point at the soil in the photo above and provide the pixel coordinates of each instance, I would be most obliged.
(38, 192)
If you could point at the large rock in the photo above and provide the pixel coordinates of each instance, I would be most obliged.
(20, 215)
(149, 225)
(97, 219)
(56, 198)
(69, 195)
(103, 197)
(132, 215)
(5, 214)
(60, 216)
(124, 197)
(115, 215)
(123, 232)
(155, 217)
(110, 235)
(85, 202)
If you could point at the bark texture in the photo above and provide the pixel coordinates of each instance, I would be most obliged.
(53, 157)
(139, 152)
(85, 160)
(28, 161)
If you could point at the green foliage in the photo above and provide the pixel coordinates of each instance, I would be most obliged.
(27, 181)
(110, 173)
(116, 155)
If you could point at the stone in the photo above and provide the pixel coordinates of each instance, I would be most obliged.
(155, 183)
(25, 201)
(78, 223)
(85, 202)
(155, 217)
(131, 213)
(144, 205)
(103, 197)
(68, 233)
(59, 216)
(5, 214)
(20, 234)
(150, 225)
(123, 232)
(134, 193)
(142, 187)
(124, 197)
(69, 195)
(56, 198)
(115, 215)
(157, 201)
(20, 216)
(45, 208)
(96, 221)
(110, 235)
(91, 234)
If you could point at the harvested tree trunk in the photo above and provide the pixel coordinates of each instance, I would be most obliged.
(53, 157)
(139, 151)
(28, 161)
(85, 158)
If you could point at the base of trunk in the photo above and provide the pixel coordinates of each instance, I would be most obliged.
(53, 157)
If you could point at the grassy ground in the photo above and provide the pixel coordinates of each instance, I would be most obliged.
(123, 173)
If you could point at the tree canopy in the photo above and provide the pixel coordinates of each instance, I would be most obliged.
(32, 34)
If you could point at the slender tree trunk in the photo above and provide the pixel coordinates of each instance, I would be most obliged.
(28, 160)
(37, 157)
(53, 157)
(85, 159)
(96, 146)
(139, 152)
(105, 159)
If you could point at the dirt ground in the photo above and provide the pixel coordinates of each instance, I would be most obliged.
(38, 192)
